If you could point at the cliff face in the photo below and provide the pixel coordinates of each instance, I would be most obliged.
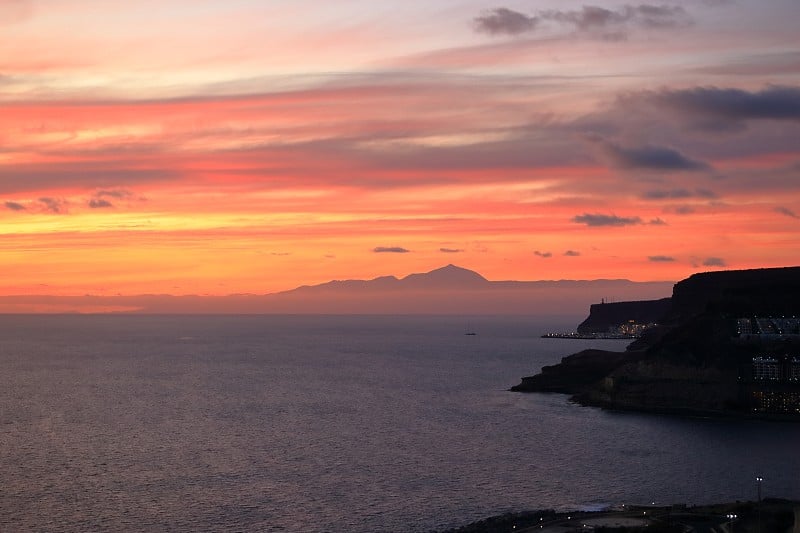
(695, 363)
(606, 316)
(766, 292)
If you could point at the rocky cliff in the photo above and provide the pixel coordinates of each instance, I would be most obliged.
(604, 317)
(695, 363)
(765, 292)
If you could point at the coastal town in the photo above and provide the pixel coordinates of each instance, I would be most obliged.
(758, 516)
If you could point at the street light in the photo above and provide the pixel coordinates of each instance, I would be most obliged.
(759, 479)
(731, 519)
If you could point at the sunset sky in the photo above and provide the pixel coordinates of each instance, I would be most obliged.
(210, 147)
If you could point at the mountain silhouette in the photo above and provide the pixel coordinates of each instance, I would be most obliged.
(448, 277)
(447, 290)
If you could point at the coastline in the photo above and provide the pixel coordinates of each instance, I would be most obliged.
(769, 514)
(590, 336)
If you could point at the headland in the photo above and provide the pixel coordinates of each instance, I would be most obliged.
(726, 344)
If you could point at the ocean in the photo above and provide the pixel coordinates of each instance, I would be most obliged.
(333, 423)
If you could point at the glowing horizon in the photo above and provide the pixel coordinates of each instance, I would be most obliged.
(251, 147)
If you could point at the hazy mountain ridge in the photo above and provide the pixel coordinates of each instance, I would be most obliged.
(449, 276)
(455, 277)
(446, 290)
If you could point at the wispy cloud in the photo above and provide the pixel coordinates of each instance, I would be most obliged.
(504, 21)
(450, 250)
(661, 258)
(543, 254)
(53, 205)
(773, 102)
(674, 194)
(730, 108)
(595, 20)
(14, 206)
(113, 193)
(651, 157)
(99, 203)
(714, 262)
(572, 253)
(390, 250)
(787, 212)
(598, 220)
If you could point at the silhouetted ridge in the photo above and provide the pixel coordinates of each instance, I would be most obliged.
(763, 291)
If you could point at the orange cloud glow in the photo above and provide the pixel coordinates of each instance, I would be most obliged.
(289, 144)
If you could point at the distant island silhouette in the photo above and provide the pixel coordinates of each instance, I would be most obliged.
(447, 290)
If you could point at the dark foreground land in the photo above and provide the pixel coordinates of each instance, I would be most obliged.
(729, 345)
(768, 516)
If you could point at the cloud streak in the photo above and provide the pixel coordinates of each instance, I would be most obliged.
(601, 220)
(773, 102)
(609, 23)
(650, 157)
(390, 250)
(14, 206)
(786, 212)
(504, 21)
(677, 194)
(714, 262)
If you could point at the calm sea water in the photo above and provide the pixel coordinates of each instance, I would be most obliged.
(291, 423)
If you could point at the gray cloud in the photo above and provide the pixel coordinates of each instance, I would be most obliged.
(390, 249)
(660, 258)
(589, 19)
(672, 194)
(716, 108)
(504, 21)
(644, 15)
(450, 250)
(572, 253)
(657, 222)
(543, 254)
(786, 211)
(14, 206)
(651, 158)
(54, 205)
(598, 219)
(715, 262)
(99, 203)
(113, 193)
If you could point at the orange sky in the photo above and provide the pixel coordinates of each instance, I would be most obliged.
(202, 147)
